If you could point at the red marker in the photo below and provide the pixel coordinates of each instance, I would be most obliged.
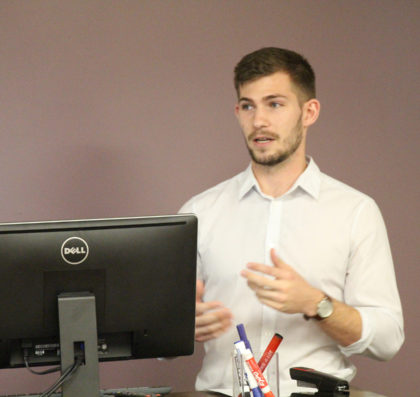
(269, 351)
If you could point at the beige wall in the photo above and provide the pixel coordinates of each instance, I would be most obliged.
(124, 108)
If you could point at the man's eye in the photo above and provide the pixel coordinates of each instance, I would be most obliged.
(246, 106)
(276, 104)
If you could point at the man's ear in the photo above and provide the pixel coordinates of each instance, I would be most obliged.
(236, 109)
(311, 110)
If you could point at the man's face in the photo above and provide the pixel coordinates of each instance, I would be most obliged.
(270, 115)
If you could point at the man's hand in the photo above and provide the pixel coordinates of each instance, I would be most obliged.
(211, 318)
(284, 289)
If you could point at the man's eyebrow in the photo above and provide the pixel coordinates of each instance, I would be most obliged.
(274, 96)
(244, 99)
(266, 98)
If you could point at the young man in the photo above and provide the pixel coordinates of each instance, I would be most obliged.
(285, 248)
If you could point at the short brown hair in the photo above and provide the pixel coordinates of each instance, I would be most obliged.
(269, 60)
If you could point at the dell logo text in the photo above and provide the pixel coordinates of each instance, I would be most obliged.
(74, 250)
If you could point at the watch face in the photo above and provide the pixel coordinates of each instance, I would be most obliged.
(325, 308)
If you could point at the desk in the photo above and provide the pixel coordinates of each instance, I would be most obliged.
(354, 392)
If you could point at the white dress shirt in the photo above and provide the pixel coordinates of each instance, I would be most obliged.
(332, 235)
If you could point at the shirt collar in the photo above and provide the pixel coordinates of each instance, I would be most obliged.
(247, 182)
(309, 181)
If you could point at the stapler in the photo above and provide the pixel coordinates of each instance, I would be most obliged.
(325, 383)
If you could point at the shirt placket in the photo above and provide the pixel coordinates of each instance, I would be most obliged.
(269, 314)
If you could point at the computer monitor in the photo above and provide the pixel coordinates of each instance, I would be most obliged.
(96, 290)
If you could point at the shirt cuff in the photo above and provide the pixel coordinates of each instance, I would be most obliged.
(363, 343)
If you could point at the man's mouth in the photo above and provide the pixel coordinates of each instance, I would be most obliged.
(263, 139)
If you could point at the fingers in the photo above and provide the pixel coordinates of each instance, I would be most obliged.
(280, 286)
(199, 290)
(212, 318)
(268, 290)
(202, 307)
(280, 270)
(277, 262)
(259, 280)
(271, 284)
(212, 324)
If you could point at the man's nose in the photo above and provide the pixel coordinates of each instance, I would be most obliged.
(260, 118)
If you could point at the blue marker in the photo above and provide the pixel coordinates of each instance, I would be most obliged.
(242, 336)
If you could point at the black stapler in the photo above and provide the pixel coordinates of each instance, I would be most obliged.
(327, 385)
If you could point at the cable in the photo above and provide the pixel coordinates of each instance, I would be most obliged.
(28, 367)
(66, 376)
(45, 372)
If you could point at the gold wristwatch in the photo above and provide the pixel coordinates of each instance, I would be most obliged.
(324, 309)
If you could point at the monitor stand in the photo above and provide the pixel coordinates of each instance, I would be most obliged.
(78, 336)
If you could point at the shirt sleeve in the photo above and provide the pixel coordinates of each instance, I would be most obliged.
(371, 286)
